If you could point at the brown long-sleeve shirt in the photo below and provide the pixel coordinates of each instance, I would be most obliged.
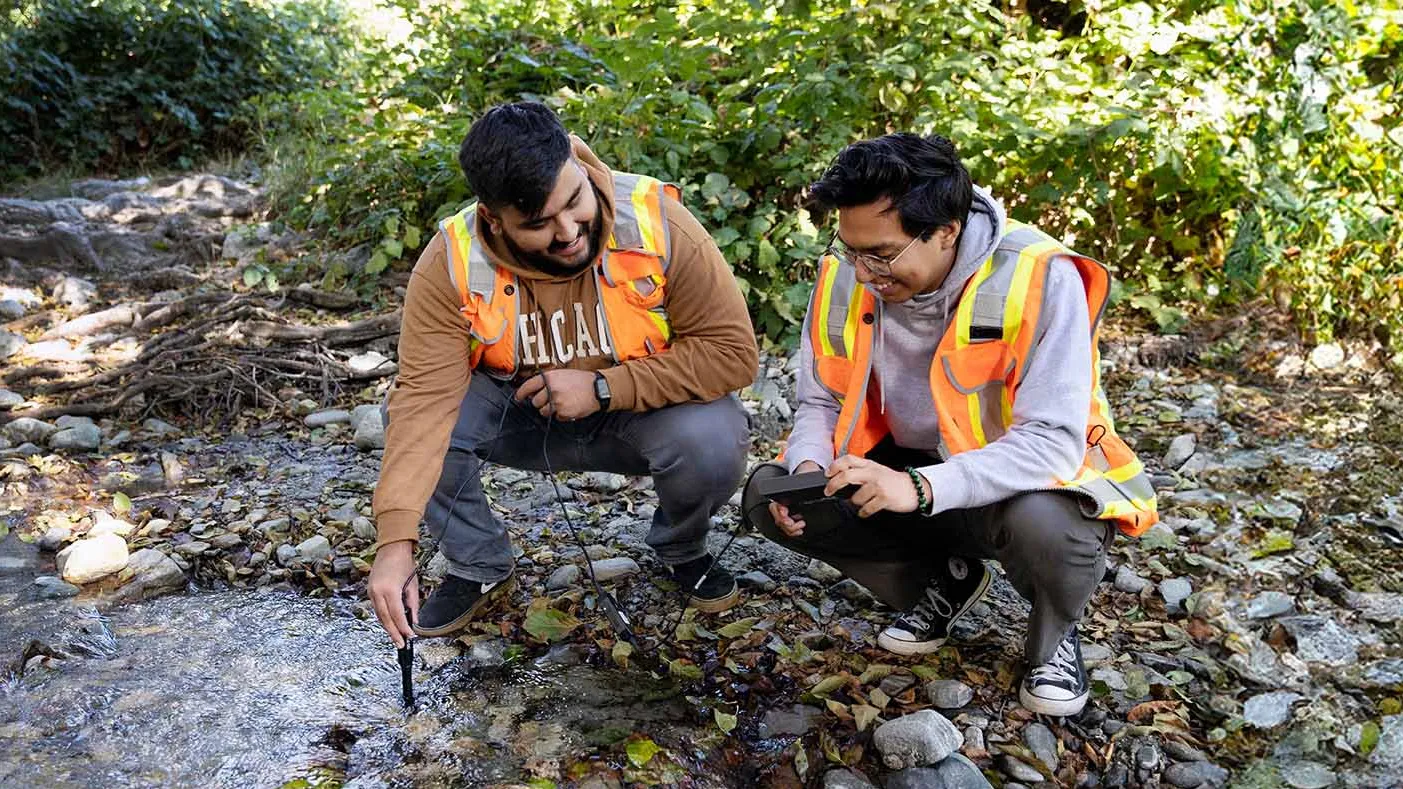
(713, 347)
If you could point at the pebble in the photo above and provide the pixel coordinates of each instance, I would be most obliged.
(192, 549)
(796, 721)
(10, 399)
(54, 538)
(332, 416)
(286, 554)
(1189, 775)
(611, 569)
(843, 778)
(1175, 591)
(314, 548)
(1180, 450)
(1130, 583)
(823, 573)
(895, 684)
(51, 587)
(1322, 640)
(363, 528)
(1043, 743)
(919, 739)
(564, 577)
(1267, 710)
(93, 558)
(1307, 775)
(1270, 604)
(756, 580)
(949, 694)
(1019, 770)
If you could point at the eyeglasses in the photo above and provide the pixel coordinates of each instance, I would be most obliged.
(877, 265)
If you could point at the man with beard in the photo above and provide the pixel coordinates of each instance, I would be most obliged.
(573, 318)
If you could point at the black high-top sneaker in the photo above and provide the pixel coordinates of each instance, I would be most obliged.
(716, 592)
(1059, 686)
(953, 590)
(455, 602)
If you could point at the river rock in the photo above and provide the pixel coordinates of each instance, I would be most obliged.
(843, 778)
(10, 399)
(823, 573)
(54, 538)
(148, 573)
(1388, 754)
(564, 577)
(603, 482)
(1020, 770)
(330, 417)
(51, 587)
(1180, 450)
(1384, 608)
(314, 549)
(93, 558)
(1268, 605)
(1327, 356)
(792, 721)
(1307, 775)
(949, 694)
(10, 310)
(75, 293)
(1191, 775)
(192, 549)
(159, 427)
(105, 523)
(11, 344)
(370, 431)
(363, 527)
(1130, 583)
(82, 438)
(1269, 710)
(371, 364)
(1322, 640)
(1043, 743)
(1175, 591)
(29, 430)
(920, 739)
(610, 569)
(286, 554)
(756, 580)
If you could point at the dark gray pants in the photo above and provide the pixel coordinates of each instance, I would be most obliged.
(1053, 554)
(695, 453)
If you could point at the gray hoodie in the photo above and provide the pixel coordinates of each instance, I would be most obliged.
(1047, 440)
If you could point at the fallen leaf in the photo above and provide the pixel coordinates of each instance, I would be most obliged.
(1148, 709)
(880, 698)
(863, 715)
(874, 672)
(621, 652)
(724, 721)
(739, 627)
(838, 708)
(640, 752)
(121, 503)
(827, 685)
(549, 624)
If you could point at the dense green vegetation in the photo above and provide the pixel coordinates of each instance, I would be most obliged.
(1209, 152)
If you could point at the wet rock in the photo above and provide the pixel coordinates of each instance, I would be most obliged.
(148, 573)
(1019, 770)
(1270, 604)
(1322, 640)
(488, 654)
(1043, 743)
(334, 416)
(1175, 591)
(843, 778)
(10, 399)
(51, 587)
(823, 573)
(564, 577)
(1268, 710)
(11, 344)
(91, 559)
(756, 580)
(314, 549)
(792, 721)
(29, 430)
(1180, 450)
(949, 694)
(611, 569)
(919, 739)
(54, 538)
(1191, 775)
(1307, 775)
(1130, 583)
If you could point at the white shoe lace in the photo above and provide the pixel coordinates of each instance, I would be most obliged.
(1061, 667)
(934, 603)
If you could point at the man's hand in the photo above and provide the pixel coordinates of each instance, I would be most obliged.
(571, 394)
(879, 487)
(394, 564)
(792, 527)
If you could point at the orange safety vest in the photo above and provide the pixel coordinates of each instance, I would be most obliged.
(632, 275)
(979, 364)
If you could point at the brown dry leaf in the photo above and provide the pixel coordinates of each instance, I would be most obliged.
(1149, 709)
(863, 715)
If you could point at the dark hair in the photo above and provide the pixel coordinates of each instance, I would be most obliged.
(927, 183)
(512, 155)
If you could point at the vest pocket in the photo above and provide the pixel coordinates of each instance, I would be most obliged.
(976, 367)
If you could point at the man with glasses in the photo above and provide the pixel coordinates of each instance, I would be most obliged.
(949, 373)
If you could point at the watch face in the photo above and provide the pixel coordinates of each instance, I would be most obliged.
(601, 388)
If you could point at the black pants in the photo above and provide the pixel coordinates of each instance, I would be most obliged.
(1052, 553)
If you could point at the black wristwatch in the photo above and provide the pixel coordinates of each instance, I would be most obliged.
(601, 391)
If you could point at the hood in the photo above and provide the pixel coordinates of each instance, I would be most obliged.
(600, 177)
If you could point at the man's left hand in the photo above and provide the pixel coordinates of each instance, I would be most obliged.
(879, 487)
(571, 394)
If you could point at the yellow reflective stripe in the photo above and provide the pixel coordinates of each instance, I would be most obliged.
(964, 314)
(825, 296)
(663, 326)
(1018, 289)
(644, 214)
(1007, 407)
(850, 325)
(1127, 472)
(975, 423)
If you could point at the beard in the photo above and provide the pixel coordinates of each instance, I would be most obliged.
(554, 265)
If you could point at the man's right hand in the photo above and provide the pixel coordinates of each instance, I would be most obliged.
(394, 564)
(792, 527)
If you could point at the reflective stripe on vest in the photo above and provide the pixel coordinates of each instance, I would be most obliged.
(978, 367)
(631, 279)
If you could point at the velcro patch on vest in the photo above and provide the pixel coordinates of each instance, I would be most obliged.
(979, 333)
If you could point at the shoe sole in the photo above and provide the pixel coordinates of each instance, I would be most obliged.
(503, 588)
(717, 605)
(1057, 708)
(909, 648)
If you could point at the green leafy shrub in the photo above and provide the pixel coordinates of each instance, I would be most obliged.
(119, 82)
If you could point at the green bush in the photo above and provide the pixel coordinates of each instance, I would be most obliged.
(115, 83)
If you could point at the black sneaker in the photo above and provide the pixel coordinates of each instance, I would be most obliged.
(952, 592)
(713, 592)
(455, 602)
(1059, 686)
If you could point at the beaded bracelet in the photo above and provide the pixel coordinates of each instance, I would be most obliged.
(922, 504)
